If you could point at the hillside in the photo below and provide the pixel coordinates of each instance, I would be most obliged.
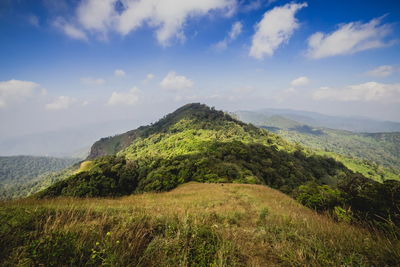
(375, 155)
(192, 225)
(19, 174)
(195, 143)
(198, 143)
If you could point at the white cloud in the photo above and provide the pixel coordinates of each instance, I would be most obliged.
(235, 31)
(119, 73)
(128, 98)
(275, 28)
(14, 91)
(70, 30)
(349, 38)
(301, 81)
(92, 81)
(96, 15)
(61, 102)
(167, 17)
(366, 92)
(382, 71)
(174, 81)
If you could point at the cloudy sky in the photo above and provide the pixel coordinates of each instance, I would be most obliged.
(67, 63)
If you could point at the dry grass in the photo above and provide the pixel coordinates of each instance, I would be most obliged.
(248, 225)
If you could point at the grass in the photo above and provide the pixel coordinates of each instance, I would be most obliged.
(192, 225)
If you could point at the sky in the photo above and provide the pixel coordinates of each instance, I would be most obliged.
(67, 63)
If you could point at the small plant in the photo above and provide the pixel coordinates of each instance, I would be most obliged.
(104, 252)
(54, 248)
(263, 215)
(342, 215)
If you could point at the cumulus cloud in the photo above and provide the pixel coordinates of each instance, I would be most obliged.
(366, 92)
(349, 38)
(96, 15)
(301, 81)
(14, 91)
(174, 81)
(125, 98)
(382, 71)
(119, 73)
(70, 30)
(275, 28)
(92, 81)
(234, 32)
(167, 17)
(61, 102)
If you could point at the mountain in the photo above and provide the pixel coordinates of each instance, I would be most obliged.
(375, 155)
(354, 124)
(20, 174)
(198, 143)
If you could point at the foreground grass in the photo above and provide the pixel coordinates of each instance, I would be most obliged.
(193, 225)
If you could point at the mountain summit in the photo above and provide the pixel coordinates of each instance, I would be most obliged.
(195, 143)
(198, 143)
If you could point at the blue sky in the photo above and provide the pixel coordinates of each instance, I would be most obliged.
(68, 63)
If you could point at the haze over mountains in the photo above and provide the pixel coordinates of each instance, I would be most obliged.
(76, 141)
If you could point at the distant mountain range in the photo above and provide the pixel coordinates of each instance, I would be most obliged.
(354, 124)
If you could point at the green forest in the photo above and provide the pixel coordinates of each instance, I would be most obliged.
(196, 143)
(375, 155)
(21, 175)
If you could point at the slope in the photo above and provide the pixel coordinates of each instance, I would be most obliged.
(17, 173)
(195, 143)
(192, 225)
(375, 155)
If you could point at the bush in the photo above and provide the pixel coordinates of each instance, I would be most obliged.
(318, 197)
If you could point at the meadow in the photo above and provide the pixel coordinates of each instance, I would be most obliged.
(193, 225)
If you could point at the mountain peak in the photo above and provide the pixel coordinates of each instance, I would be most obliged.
(193, 115)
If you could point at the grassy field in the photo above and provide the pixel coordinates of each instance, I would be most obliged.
(192, 225)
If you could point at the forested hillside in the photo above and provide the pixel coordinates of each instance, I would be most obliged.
(20, 174)
(375, 155)
(196, 143)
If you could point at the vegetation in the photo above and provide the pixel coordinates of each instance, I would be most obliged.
(199, 144)
(375, 155)
(192, 225)
(21, 175)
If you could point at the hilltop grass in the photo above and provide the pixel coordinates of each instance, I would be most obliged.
(192, 225)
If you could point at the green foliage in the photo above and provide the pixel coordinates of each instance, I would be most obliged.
(342, 215)
(318, 197)
(22, 175)
(54, 249)
(196, 143)
(375, 155)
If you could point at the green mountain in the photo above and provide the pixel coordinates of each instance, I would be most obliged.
(20, 175)
(375, 155)
(196, 143)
